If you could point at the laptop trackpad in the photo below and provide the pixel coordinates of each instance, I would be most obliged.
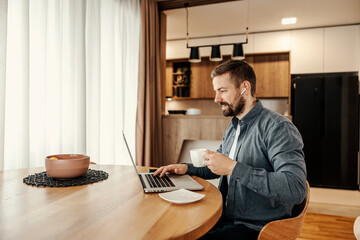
(183, 181)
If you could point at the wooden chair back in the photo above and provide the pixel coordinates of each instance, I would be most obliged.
(290, 228)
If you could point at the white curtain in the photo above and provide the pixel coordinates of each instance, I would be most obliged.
(69, 84)
(3, 27)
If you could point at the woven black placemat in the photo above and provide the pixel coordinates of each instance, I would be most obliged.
(43, 180)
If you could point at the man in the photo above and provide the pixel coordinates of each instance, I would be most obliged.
(260, 160)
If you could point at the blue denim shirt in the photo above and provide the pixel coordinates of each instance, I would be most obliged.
(270, 174)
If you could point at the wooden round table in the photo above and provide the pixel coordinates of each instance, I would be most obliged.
(116, 208)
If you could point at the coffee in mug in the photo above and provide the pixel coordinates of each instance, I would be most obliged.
(197, 158)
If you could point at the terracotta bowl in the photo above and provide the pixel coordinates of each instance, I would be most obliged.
(66, 165)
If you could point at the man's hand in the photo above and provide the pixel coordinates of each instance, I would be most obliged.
(173, 168)
(218, 163)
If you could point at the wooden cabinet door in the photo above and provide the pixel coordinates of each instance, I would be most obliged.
(272, 74)
(168, 80)
(201, 82)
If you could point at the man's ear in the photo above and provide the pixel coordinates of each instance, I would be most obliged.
(247, 85)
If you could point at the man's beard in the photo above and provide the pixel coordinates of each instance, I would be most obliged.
(234, 111)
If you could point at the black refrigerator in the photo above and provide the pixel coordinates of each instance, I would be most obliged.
(325, 109)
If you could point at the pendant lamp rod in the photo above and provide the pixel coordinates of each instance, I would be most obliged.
(194, 53)
(221, 44)
(187, 25)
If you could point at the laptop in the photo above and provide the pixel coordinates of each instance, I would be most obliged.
(169, 182)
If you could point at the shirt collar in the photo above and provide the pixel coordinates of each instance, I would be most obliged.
(250, 116)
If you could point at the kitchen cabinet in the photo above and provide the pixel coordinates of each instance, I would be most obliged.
(176, 50)
(272, 42)
(307, 51)
(272, 73)
(181, 79)
(330, 49)
(339, 46)
(200, 79)
(178, 128)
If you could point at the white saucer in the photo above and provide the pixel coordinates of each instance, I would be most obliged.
(181, 196)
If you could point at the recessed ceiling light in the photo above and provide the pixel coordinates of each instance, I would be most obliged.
(290, 20)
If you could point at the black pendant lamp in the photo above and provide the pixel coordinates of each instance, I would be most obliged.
(238, 52)
(194, 55)
(215, 53)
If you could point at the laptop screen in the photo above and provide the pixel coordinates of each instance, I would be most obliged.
(128, 149)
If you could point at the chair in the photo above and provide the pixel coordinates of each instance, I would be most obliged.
(290, 228)
(357, 228)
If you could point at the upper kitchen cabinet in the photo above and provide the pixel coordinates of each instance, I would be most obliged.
(330, 49)
(272, 42)
(307, 51)
(200, 78)
(201, 81)
(176, 49)
(341, 49)
(272, 74)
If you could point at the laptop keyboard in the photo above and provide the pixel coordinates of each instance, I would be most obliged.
(159, 182)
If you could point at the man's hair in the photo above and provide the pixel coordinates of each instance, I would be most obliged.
(239, 71)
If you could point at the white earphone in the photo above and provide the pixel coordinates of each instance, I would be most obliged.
(243, 91)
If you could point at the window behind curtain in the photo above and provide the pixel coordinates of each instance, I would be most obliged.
(71, 80)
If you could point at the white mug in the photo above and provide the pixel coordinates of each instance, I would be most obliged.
(197, 158)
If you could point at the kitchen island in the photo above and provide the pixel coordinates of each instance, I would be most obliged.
(179, 128)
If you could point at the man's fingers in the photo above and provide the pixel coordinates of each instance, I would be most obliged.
(207, 162)
(165, 170)
(207, 154)
(173, 168)
(161, 171)
(158, 171)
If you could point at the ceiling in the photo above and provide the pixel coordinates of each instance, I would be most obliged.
(231, 18)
